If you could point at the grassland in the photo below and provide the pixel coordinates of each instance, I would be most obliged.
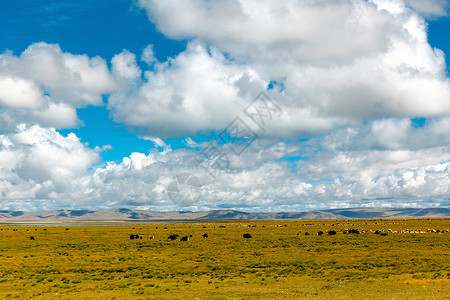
(278, 262)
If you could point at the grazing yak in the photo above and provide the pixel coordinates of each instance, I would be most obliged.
(247, 235)
(184, 239)
(355, 231)
(134, 236)
(320, 233)
(172, 237)
(331, 232)
(205, 235)
(32, 238)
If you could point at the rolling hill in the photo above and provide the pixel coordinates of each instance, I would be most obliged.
(133, 215)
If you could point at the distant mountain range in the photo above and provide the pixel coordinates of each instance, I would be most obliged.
(134, 215)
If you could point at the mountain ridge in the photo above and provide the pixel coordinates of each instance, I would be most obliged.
(225, 214)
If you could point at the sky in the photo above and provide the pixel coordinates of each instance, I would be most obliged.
(253, 105)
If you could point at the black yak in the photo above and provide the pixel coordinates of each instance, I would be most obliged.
(173, 237)
(134, 236)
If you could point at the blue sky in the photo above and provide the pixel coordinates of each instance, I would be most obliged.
(117, 97)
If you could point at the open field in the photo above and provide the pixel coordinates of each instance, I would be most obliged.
(279, 261)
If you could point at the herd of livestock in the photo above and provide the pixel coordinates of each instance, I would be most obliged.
(387, 232)
(351, 231)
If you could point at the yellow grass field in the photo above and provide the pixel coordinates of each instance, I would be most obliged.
(278, 262)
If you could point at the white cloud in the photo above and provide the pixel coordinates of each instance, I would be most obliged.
(337, 63)
(198, 90)
(430, 8)
(75, 79)
(51, 115)
(19, 93)
(38, 163)
(148, 56)
(291, 29)
(56, 115)
(391, 134)
(55, 171)
(124, 66)
(45, 85)
(159, 143)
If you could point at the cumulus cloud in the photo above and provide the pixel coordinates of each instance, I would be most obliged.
(75, 79)
(148, 56)
(124, 65)
(391, 134)
(58, 171)
(430, 8)
(250, 28)
(381, 176)
(45, 85)
(334, 63)
(20, 93)
(198, 90)
(39, 163)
